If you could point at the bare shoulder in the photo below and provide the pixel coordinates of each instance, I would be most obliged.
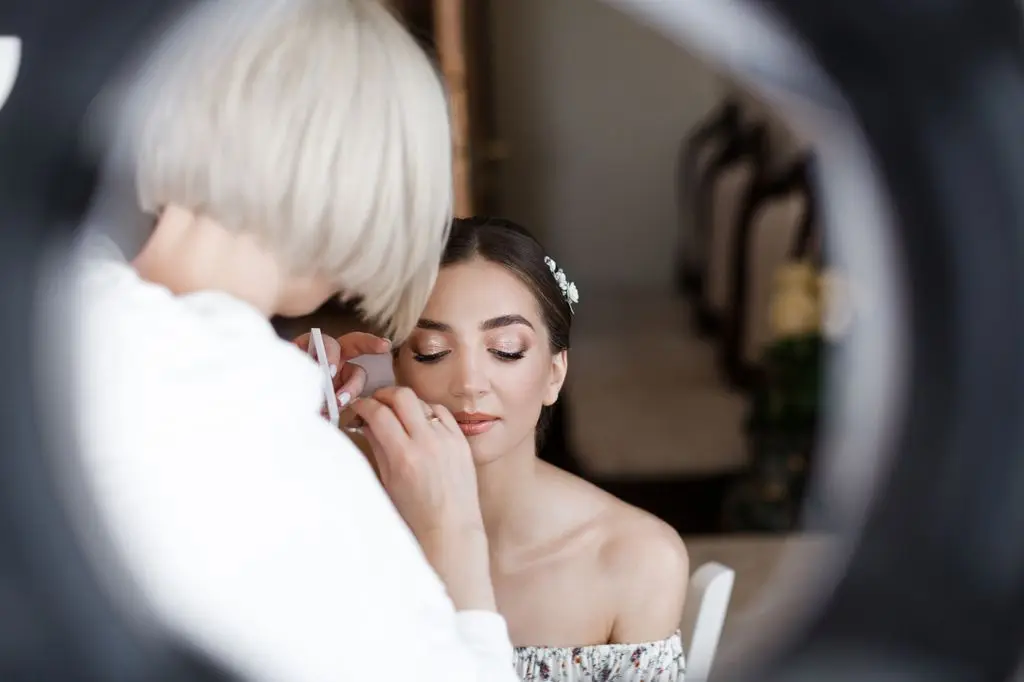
(638, 541)
(633, 541)
(641, 561)
(647, 565)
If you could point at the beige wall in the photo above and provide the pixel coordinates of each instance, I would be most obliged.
(592, 107)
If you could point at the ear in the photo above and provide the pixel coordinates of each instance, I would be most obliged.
(559, 367)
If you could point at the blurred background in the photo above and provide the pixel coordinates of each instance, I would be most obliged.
(684, 210)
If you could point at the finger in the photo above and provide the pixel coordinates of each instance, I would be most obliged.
(392, 396)
(445, 417)
(412, 411)
(349, 421)
(384, 425)
(350, 383)
(377, 458)
(331, 347)
(360, 343)
(333, 350)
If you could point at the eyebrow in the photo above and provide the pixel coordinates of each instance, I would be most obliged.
(487, 325)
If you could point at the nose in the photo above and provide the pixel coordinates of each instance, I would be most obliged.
(470, 376)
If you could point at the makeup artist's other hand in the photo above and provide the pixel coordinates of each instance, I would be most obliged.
(349, 379)
(426, 467)
(423, 458)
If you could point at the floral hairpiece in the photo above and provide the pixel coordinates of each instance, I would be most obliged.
(569, 291)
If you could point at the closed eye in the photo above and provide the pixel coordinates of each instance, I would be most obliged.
(432, 357)
(508, 357)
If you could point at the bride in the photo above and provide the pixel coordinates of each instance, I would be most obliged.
(592, 588)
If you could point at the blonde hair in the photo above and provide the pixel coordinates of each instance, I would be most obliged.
(319, 126)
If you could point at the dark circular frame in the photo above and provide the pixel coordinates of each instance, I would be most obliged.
(917, 110)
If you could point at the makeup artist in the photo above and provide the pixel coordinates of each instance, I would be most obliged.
(290, 151)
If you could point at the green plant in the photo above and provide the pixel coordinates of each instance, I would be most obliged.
(785, 406)
(788, 397)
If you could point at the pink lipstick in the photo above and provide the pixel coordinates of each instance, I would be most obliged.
(475, 423)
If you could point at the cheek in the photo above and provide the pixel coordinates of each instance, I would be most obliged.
(523, 386)
(427, 381)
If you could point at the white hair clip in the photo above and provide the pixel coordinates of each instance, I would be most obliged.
(569, 291)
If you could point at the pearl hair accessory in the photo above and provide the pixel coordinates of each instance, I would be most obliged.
(569, 291)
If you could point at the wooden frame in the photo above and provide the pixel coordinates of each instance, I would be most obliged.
(453, 31)
(450, 39)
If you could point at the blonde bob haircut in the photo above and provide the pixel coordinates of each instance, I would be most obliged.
(318, 126)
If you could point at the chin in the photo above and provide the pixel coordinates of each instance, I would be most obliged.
(301, 308)
(483, 455)
(304, 295)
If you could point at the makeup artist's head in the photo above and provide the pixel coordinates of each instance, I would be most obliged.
(297, 149)
(492, 343)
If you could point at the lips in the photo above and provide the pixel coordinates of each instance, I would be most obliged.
(475, 423)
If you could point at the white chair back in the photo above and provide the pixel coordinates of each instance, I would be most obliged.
(707, 601)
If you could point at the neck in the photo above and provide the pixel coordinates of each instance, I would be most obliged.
(187, 253)
(505, 499)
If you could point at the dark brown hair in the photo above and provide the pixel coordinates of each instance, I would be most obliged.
(511, 246)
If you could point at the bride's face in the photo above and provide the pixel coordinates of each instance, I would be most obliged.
(481, 349)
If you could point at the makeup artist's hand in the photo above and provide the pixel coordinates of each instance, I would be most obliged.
(427, 469)
(349, 379)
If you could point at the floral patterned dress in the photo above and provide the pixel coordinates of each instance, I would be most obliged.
(660, 661)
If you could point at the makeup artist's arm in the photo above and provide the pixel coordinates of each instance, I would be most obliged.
(426, 467)
(283, 556)
(244, 524)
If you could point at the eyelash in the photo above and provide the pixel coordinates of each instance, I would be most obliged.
(500, 354)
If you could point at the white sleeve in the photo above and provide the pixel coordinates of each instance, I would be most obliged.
(281, 556)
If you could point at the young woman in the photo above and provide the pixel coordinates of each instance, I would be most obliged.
(591, 587)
